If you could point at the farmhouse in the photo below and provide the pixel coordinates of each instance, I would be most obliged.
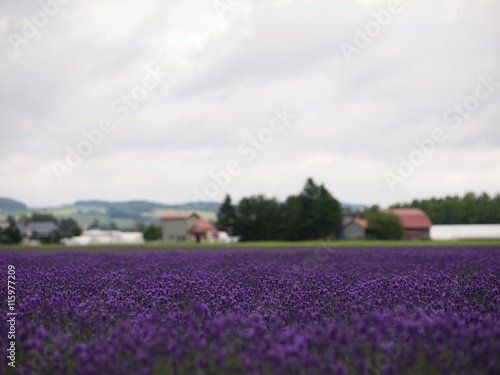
(416, 223)
(40, 230)
(354, 228)
(187, 227)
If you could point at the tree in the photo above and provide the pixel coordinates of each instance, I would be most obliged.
(385, 225)
(23, 219)
(226, 217)
(313, 214)
(290, 226)
(256, 218)
(94, 224)
(367, 211)
(41, 216)
(110, 225)
(138, 226)
(321, 214)
(54, 237)
(469, 209)
(327, 214)
(152, 232)
(11, 234)
(11, 221)
(69, 228)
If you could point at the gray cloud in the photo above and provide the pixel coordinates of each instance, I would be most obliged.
(354, 120)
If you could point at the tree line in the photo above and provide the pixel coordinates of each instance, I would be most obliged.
(312, 214)
(469, 209)
(66, 227)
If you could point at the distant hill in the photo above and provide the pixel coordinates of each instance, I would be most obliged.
(124, 214)
(7, 204)
(353, 207)
(91, 203)
(137, 208)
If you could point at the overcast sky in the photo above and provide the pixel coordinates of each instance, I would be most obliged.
(170, 91)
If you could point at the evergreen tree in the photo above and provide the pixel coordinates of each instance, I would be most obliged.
(320, 212)
(290, 226)
(226, 217)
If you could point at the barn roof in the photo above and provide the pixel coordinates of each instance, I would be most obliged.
(38, 229)
(413, 218)
(363, 223)
(202, 226)
(179, 215)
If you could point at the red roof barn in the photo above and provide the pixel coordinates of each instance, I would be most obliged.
(416, 223)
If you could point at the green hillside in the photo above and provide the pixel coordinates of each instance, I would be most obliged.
(7, 204)
(124, 214)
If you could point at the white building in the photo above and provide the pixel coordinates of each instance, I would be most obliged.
(103, 237)
(465, 232)
(223, 237)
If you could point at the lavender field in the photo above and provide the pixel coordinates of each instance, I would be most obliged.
(309, 311)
